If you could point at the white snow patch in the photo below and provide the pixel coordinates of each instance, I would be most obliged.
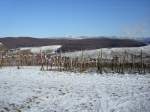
(50, 48)
(1, 43)
(30, 90)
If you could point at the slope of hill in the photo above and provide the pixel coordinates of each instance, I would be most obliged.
(109, 53)
(46, 49)
(147, 40)
(70, 44)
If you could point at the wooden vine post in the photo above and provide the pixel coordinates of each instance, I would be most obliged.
(99, 62)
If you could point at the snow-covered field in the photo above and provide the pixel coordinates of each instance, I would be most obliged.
(31, 90)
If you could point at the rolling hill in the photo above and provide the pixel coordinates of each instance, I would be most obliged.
(69, 44)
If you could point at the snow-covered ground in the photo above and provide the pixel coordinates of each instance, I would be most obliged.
(31, 90)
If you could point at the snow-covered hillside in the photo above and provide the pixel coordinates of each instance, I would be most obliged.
(48, 49)
(109, 52)
(31, 90)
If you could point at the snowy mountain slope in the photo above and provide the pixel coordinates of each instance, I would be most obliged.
(31, 90)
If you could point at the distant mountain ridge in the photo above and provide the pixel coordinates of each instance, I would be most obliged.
(70, 44)
(147, 40)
